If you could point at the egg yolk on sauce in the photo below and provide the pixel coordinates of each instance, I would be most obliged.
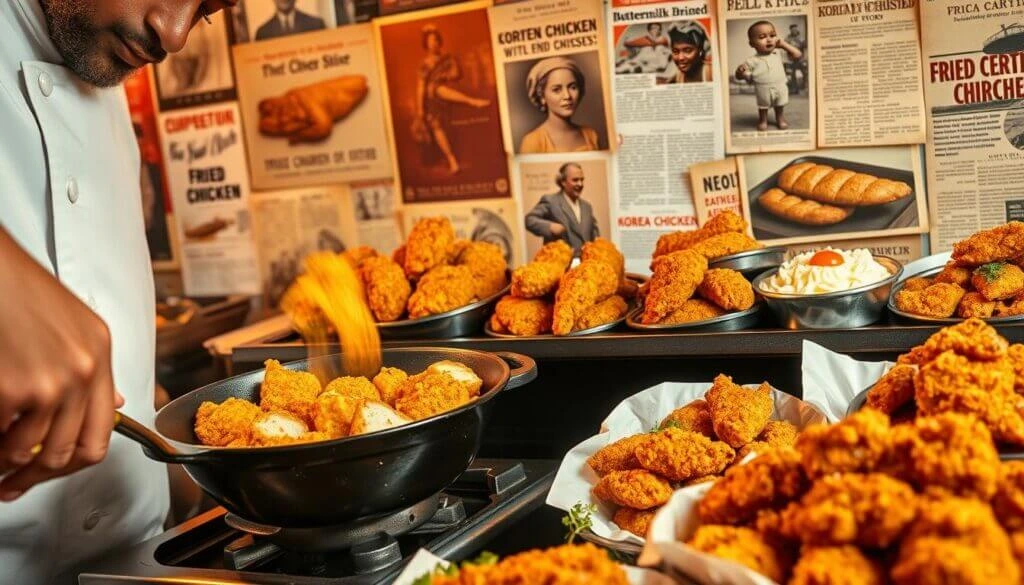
(826, 258)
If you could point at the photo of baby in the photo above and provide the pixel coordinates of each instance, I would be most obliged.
(675, 51)
(768, 88)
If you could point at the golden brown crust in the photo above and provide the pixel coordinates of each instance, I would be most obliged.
(634, 488)
(738, 414)
(681, 455)
(744, 546)
(803, 211)
(727, 288)
(894, 389)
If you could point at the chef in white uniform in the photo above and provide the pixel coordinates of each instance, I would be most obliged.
(76, 288)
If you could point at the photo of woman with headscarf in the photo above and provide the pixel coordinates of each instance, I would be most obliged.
(691, 53)
(556, 86)
(435, 93)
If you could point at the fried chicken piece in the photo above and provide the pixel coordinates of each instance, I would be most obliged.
(702, 479)
(751, 447)
(743, 546)
(916, 283)
(973, 339)
(998, 280)
(427, 246)
(219, 425)
(333, 413)
(1008, 503)
(356, 256)
(430, 393)
(738, 414)
(693, 310)
(387, 290)
(633, 488)
(950, 451)
(974, 304)
(955, 540)
(676, 277)
(354, 386)
(725, 244)
(953, 274)
(606, 311)
(288, 391)
(617, 456)
(779, 433)
(870, 510)
(389, 382)
(559, 252)
(1010, 307)
(541, 276)
(582, 287)
(681, 455)
(635, 521)
(459, 372)
(1015, 355)
(1004, 242)
(953, 383)
(836, 565)
(563, 565)
(443, 289)
(274, 428)
(726, 221)
(487, 263)
(727, 288)
(938, 300)
(455, 250)
(768, 481)
(604, 250)
(894, 389)
(694, 417)
(859, 443)
(523, 316)
(398, 255)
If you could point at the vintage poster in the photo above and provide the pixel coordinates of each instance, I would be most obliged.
(200, 73)
(376, 216)
(668, 116)
(869, 73)
(486, 220)
(443, 104)
(564, 199)
(834, 194)
(974, 84)
(348, 12)
(904, 249)
(769, 62)
(551, 60)
(271, 19)
(313, 109)
(386, 7)
(716, 188)
(156, 196)
(205, 159)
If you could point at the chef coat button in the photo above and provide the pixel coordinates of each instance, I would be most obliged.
(45, 84)
(92, 519)
(72, 190)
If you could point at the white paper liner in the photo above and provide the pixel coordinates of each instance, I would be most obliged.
(831, 380)
(639, 414)
(425, 561)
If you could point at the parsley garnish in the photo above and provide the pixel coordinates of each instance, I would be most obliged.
(577, 520)
(452, 569)
(990, 271)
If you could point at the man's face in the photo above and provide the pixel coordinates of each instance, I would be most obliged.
(104, 41)
(573, 183)
(763, 38)
(285, 6)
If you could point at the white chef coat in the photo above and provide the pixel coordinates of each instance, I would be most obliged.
(69, 186)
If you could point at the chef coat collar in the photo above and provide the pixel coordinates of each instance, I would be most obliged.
(27, 17)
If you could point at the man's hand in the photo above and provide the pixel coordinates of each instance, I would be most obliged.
(57, 394)
(557, 229)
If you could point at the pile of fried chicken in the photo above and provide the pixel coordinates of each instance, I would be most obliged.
(549, 297)
(562, 565)
(983, 278)
(294, 408)
(680, 270)
(693, 444)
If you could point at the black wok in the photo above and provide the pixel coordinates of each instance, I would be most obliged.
(333, 482)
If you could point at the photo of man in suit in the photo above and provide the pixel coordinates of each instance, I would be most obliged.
(288, 20)
(564, 215)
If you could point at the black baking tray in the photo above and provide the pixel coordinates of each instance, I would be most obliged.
(872, 218)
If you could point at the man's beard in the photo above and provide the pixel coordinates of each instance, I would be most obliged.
(76, 40)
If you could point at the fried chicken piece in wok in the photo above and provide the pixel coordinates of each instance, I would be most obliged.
(219, 425)
(288, 391)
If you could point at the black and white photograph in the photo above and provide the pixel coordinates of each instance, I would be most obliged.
(373, 203)
(1013, 127)
(200, 73)
(564, 200)
(270, 19)
(678, 51)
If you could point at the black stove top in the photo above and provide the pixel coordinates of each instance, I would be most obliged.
(217, 547)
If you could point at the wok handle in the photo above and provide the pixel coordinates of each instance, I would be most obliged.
(155, 446)
(524, 369)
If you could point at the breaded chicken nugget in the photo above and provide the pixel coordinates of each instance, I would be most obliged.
(681, 455)
(635, 521)
(540, 277)
(634, 488)
(582, 287)
(219, 425)
(779, 433)
(606, 311)
(354, 386)
(973, 339)
(738, 414)
(333, 413)
(859, 443)
(288, 390)
(894, 389)
(277, 428)
(768, 481)
(953, 274)
(387, 290)
(605, 251)
(836, 565)
(974, 304)
(754, 447)
(998, 280)
(617, 456)
(743, 546)
(356, 256)
(676, 277)
(938, 300)
(487, 263)
(559, 252)
(1008, 503)
(917, 283)
(725, 221)
(523, 316)
(430, 393)
(694, 417)
(950, 451)
(455, 250)
(459, 372)
(1001, 243)
(388, 382)
(727, 289)
(443, 289)
(427, 245)
(1015, 355)
(725, 244)
(693, 310)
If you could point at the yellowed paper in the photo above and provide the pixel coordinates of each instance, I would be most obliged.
(716, 188)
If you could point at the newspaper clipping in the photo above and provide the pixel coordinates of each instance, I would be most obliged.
(313, 110)
(769, 64)
(486, 220)
(200, 73)
(869, 73)
(209, 185)
(904, 249)
(974, 74)
(376, 220)
(716, 188)
(669, 116)
(443, 104)
(553, 75)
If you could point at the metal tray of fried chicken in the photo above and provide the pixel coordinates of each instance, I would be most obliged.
(731, 321)
(461, 322)
(937, 320)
